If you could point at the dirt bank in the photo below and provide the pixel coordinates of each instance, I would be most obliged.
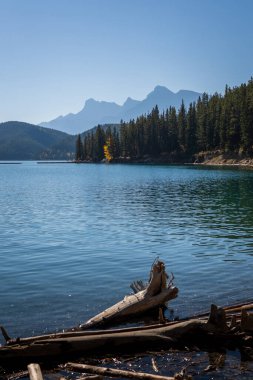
(223, 159)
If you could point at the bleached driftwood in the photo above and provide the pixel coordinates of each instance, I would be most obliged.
(157, 293)
(159, 336)
(231, 312)
(108, 340)
(34, 371)
(202, 332)
(197, 331)
(111, 372)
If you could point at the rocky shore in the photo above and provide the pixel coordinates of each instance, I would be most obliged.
(223, 159)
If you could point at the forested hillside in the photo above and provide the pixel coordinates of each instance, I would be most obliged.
(216, 122)
(22, 141)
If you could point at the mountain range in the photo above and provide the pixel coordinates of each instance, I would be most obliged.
(101, 112)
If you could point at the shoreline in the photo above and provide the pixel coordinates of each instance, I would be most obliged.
(211, 159)
(216, 161)
(203, 159)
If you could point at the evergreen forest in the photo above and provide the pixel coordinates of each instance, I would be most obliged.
(216, 122)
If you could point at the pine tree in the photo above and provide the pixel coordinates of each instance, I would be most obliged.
(191, 145)
(202, 123)
(182, 125)
(124, 140)
(79, 148)
(99, 141)
(173, 144)
(153, 138)
(214, 122)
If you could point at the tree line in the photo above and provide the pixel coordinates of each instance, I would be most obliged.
(216, 122)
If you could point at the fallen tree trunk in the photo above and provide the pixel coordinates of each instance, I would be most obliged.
(214, 332)
(105, 341)
(229, 309)
(81, 333)
(130, 306)
(203, 317)
(202, 331)
(161, 337)
(111, 372)
(156, 294)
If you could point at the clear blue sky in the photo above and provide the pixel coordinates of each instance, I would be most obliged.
(55, 54)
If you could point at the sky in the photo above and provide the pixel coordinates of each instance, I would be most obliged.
(56, 54)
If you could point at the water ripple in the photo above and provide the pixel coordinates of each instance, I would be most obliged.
(73, 237)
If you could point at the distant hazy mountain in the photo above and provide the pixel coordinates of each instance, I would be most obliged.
(99, 112)
(22, 141)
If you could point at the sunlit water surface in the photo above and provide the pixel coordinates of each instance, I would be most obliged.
(73, 238)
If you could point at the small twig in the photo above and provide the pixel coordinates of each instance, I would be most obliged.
(171, 280)
(90, 377)
(154, 365)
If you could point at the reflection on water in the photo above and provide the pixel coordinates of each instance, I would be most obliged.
(73, 237)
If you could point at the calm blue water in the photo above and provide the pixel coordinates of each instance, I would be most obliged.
(73, 237)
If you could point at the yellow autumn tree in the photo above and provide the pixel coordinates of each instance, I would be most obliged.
(107, 151)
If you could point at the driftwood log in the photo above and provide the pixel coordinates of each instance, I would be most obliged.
(109, 341)
(34, 371)
(215, 331)
(111, 372)
(222, 327)
(156, 294)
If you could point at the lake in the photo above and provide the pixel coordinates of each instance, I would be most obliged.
(73, 238)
